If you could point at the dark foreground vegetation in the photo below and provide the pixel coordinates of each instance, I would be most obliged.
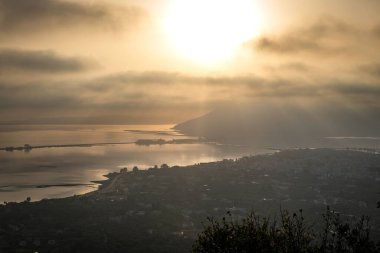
(291, 234)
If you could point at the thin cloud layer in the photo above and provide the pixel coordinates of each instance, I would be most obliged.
(39, 61)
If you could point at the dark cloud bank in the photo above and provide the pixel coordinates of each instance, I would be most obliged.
(32, 16)
(141, 87)
(116, 98)
(40, 61)
(327, 36)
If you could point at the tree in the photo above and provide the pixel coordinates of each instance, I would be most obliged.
(164, 166)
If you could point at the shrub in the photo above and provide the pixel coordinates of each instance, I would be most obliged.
(290, 235)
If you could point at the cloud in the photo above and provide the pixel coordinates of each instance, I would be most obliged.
(376, 31)
(33, 16)
(355, 89)
(40, 61)
(296, 66)
(372, 69)
(256, 86)
(288, 45)
(164, 89)
(155, 78)
(165, 96)
(323, 37)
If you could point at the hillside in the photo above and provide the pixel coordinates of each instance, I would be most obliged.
(283, 126)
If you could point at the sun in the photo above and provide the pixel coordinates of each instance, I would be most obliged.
(210, 31)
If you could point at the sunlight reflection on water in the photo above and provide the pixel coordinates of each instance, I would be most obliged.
(22, 171)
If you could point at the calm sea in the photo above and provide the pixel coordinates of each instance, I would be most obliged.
(76, 155)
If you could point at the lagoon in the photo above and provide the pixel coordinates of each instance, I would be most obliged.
(76, 155)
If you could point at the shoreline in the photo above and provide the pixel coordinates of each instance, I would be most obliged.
(110, 181)
(165, 206)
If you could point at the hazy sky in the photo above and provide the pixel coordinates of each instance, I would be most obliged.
(166, 61)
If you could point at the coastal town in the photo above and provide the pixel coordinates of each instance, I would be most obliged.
(167, 206)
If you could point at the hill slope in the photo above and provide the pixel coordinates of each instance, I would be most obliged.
(286, 125)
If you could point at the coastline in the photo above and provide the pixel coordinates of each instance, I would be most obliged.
(164, 207)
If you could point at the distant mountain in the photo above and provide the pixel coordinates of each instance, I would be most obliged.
(283, 125)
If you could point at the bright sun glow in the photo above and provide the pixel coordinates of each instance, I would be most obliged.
(210, 31)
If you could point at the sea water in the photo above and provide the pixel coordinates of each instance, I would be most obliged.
(70, 157)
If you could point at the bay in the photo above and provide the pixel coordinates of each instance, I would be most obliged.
(73, 156)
